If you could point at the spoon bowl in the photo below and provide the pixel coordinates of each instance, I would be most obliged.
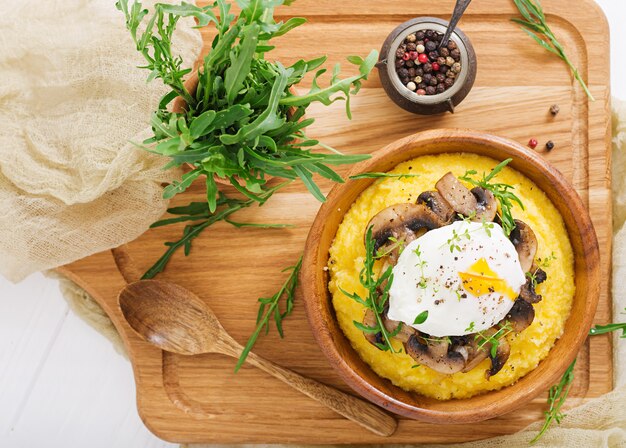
(171, 317)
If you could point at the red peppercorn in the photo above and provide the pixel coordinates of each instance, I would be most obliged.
(406, 57)
(421, 92)
(532, 143)
(422, 57)
(435, 66)
(413, 55)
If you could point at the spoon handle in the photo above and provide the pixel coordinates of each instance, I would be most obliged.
(459, 9)
(355, 409)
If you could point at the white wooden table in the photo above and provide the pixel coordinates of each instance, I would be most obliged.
(62, 384)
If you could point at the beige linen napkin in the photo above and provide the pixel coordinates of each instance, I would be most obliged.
(71, 99)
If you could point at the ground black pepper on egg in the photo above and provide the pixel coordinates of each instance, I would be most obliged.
(423, 67)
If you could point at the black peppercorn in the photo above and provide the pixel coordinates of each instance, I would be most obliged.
(419, 35)
(433, 81)
(441, 61)
(405, 80)
(399, 63)
(444, 52)
(456, 54)
(419, 71)
(429, 34)
(421, 85)
(410, 63)
(549, 145)
(403, 72)
(430, 46)
(412, 72)
(440, 88)
(411, 46)
(427, 77)
(554, 109)
(427, 67)
(451, 45)
(430, 90)
(433, 55)
(440, 77)
(448, 82)
(443, 69)
(399, 52)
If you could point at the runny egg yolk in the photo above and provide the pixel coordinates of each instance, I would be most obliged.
(480, 279)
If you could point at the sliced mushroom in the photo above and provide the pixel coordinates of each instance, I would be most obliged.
(369, 320)
(521, 315)
(392, 325)
(525, 242)
(528, 293)
(456, 194)
(434, 201)
(501, 357)
(435, 353)
(403, 222)
(486, 204)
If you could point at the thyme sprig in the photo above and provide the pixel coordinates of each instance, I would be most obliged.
(493, 339)
(502, 192)
(556, 398)
(535, 25)
(269, 308)
(377, 295)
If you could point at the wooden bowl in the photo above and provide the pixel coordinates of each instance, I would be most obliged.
(381, 391)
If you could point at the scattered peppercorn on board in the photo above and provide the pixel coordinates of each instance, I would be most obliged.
(200, 399)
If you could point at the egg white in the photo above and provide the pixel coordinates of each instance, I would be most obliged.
(431, 282)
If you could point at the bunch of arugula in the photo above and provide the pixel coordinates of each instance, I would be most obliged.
(242, 123)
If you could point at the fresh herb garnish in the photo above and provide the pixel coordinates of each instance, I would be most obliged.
(420, 264)
(242, 124)
(395, 244)
(374, 175)
(377, 295)
(502, 192)
(535, 25)
(493, 339)
(546, 261)
(602, 329)
(421, 318)
(453, 242)
(556, 398)
(470, 328)
(269, 308)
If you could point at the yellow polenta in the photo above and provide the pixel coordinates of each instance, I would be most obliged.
(528, 348)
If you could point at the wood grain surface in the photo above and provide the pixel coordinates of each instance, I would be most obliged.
(198, 399)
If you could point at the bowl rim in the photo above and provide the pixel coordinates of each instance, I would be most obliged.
(497, 402)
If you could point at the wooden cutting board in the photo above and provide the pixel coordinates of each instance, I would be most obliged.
(199, 399)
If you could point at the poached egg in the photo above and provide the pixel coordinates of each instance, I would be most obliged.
(466, 275)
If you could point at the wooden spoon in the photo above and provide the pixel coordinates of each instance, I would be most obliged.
(176, 320)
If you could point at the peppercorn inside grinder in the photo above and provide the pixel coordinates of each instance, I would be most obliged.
(426, 104)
